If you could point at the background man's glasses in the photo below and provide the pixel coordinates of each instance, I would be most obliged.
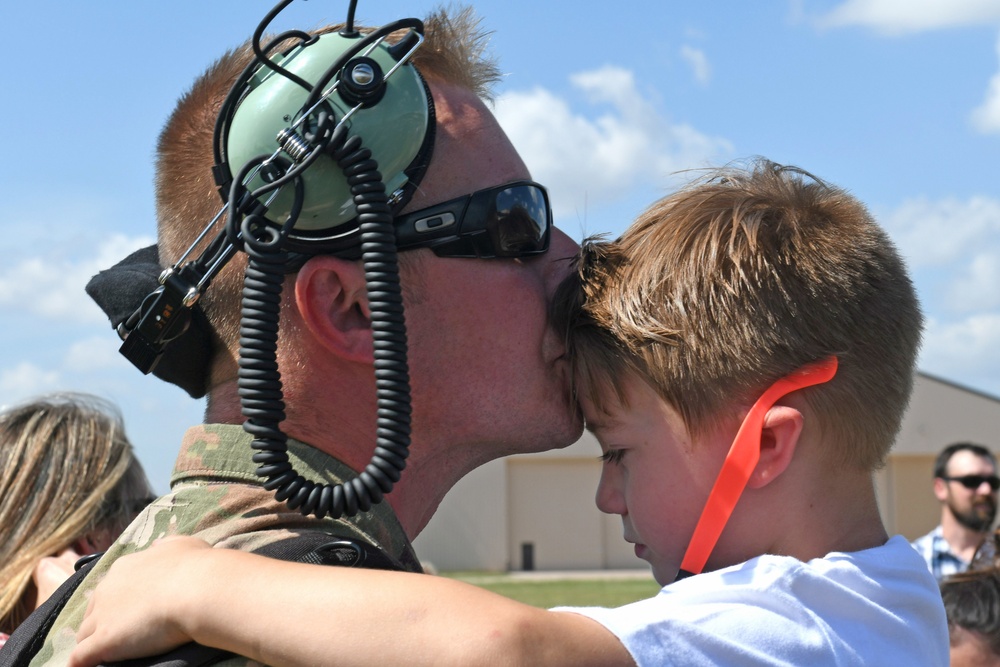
(510, 220)
(975, 481)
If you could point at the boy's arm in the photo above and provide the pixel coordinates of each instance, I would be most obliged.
(283, 613)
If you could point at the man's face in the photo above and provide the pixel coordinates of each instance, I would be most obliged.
(654, 476)
(487, 370)
(976, 507)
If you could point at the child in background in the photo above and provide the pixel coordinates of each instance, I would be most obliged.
(745, 352)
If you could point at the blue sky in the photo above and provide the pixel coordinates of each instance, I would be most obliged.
(896, 100)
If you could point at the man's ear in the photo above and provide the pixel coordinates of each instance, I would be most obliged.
(778, 439)
(940, 489)
(332, 299)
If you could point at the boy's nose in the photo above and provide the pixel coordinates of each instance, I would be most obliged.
(609, 498)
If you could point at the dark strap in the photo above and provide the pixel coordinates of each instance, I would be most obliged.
(323, 549)
(310, 547)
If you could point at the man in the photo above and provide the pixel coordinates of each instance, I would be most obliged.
(965, 483)
(487, 371)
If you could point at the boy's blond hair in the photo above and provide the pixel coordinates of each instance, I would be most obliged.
(740, 278)
(454, 52)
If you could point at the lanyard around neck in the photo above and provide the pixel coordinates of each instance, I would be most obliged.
(741, 461)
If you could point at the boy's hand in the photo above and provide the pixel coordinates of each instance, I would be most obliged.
(137, 610)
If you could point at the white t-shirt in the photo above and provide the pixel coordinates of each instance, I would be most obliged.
(880, 606)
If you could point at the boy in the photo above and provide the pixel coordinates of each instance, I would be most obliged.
(744, 353)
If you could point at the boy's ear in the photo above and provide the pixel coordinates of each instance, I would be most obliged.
(332, 299)
(778, 439)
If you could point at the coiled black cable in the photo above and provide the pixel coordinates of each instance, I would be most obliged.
(260, 386)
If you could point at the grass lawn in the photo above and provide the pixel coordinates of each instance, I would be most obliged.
(610, 592)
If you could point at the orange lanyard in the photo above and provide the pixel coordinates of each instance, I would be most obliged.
(741, 461)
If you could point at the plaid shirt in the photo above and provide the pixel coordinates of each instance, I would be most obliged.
(938, 555)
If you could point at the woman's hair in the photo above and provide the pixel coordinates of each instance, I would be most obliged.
(68, 470)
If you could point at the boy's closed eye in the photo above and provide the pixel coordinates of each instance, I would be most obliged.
(613, 456)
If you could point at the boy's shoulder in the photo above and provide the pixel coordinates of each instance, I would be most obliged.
(882, 573)
(858, 598)
(877, 606)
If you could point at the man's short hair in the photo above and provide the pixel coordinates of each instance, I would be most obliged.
(454, 51)
(941, 463)
(742, 277)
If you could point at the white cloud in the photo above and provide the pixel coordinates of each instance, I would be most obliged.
(621, 142)
(907, 16)
(26, 379)
(936, 233)
(986, 117)
(977, 286)
(963, 348)
(698, 62)
(896, 17)
(953, 249)
(95, 353)
(52, 286)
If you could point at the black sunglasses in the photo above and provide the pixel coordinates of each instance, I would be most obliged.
(510, 220)
(975, 481)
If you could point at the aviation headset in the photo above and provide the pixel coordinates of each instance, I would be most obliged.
(321, 140)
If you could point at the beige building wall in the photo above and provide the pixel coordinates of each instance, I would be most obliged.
(910, 507)
(548, 530)
(540, 507)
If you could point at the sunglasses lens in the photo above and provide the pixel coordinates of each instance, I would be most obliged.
(522, 221)
(511, 220)
(975, 481)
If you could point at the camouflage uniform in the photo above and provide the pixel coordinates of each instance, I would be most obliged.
(215, 495)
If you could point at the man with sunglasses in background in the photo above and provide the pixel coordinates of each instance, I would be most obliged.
(966, 483)
(478, 268)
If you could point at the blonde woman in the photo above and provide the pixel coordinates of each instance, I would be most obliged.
(70, 483)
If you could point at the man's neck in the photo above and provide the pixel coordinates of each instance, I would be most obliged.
(428, 476)
(962, 540)
(222, 405)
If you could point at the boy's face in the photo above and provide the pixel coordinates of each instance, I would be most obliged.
(653, 475)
